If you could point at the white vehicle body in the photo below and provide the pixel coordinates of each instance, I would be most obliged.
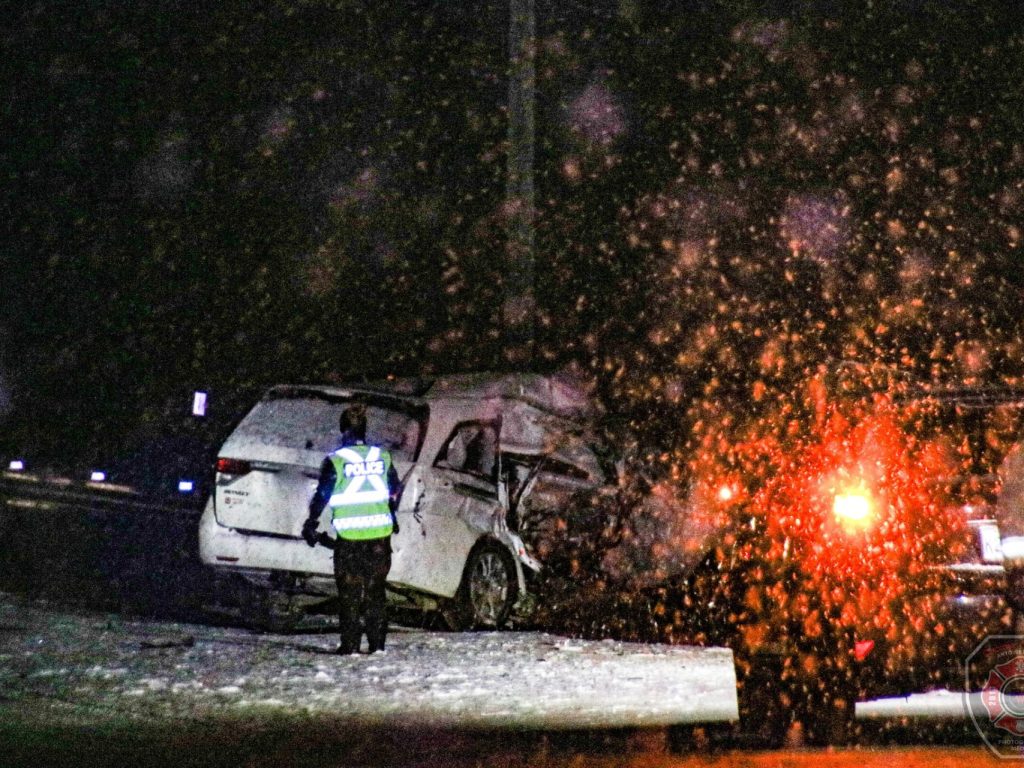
(447, 439)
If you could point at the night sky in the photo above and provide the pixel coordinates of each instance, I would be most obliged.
(729, 195)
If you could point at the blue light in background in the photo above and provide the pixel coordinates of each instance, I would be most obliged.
(16, 465)
(186, 486)
(98, 476)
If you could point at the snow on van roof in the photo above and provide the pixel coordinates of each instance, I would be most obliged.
(562, 394)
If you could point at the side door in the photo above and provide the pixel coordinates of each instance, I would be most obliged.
(458, 503)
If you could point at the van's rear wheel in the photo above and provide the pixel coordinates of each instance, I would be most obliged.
(488, 591)
(276, 611)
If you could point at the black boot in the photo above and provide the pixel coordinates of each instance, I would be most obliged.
(376, 638)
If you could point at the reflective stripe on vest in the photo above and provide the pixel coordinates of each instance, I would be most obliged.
(359, 504)
(363, 521)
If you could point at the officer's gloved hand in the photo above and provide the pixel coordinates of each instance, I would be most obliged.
(309, 532)
(394, 524)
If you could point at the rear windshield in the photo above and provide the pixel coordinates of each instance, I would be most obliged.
(308, 419)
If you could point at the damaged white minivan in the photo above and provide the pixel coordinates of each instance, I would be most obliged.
(481, 456)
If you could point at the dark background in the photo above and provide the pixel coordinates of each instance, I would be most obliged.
(728, 195)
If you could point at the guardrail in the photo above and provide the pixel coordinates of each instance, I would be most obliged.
(51, 492)
(102, 544)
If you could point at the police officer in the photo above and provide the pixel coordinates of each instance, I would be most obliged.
(360, 485)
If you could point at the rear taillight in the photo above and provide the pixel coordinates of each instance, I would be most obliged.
(233, 466)
(862, 648)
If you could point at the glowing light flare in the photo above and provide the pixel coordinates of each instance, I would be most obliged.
(845, 496)
(854, 509)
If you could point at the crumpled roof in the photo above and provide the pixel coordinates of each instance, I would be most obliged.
(538, 411)
(562, 394)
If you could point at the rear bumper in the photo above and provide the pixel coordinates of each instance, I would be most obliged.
(230, 549)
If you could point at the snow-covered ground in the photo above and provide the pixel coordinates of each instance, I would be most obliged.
(104, 664)
(99, 664)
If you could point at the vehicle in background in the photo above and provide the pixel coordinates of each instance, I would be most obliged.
(869, 564)
(474, 453)
(1004, 519)
(852, 552)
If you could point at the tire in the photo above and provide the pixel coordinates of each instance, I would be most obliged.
(276, 612)
(823, 681)
(826, 705)
(772, 701)
(811, 685)
(488, 590)
(788, 685)
(764, 713)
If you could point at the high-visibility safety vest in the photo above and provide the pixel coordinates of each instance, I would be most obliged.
(359, 504)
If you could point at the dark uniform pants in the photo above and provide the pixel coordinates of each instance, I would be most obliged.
(361, 569)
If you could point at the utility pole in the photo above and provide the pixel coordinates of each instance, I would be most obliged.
(520, 306)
